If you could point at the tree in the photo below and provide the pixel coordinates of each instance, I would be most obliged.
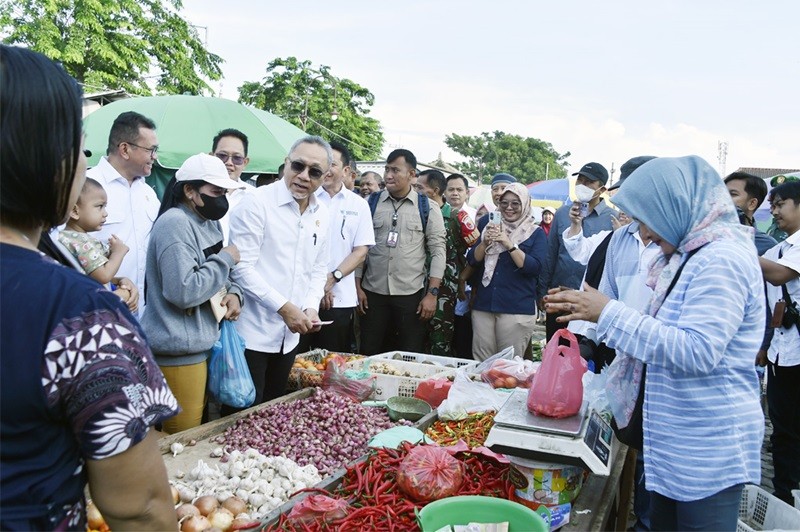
(527, 159)
(319, 103)
(114, 44)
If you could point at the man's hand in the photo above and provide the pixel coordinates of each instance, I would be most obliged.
(330, 282)
(233, 251)
(363, 304)
(427, 307)
(761, 358)
(576, 222)
(576, 305)
(313, 317)
(232, 306)
(462, 290)
(295, 319)
(133, 299)
(327, 301)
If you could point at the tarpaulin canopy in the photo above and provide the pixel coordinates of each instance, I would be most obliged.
(186, 126)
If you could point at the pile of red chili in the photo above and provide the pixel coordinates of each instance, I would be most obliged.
(376, 503)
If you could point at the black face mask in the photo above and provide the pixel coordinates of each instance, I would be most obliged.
(214, 207)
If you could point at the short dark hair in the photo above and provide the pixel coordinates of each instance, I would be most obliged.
(753, 185)
(435, 179)
(405, 154)
(347, 159)
(459, 176)
(126, 129)
(90, 184)
(40, 139)
(788, 190)
(230, 132)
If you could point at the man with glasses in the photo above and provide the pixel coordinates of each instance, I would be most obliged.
(230, 146)
(281, 231)
(350, 238)
(132, 203)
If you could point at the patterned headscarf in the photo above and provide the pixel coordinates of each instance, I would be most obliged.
(517, 232)
(685, 202)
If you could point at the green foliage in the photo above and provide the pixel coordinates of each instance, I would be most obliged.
(527, 159)
(114, 44)
(308, 98)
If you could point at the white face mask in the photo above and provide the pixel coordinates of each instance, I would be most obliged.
(584, 194)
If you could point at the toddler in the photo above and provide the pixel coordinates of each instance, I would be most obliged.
(98, 260)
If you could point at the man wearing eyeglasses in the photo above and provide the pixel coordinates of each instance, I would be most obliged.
(132, 203)
(230, 146)
(281, 231)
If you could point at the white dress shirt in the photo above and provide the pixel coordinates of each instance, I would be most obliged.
(284, 258)
(350, 227)
(235, 197)
(132, 209)
(469, 210)
(785, 345)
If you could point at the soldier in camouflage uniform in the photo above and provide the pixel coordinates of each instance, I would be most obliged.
(461, 233)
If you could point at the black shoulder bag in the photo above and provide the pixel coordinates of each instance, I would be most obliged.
(632, 434)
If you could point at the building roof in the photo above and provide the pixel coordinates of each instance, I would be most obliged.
(767, 172)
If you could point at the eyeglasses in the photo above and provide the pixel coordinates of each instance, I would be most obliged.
(238, 160)
(152, 150)
(313, 172)
(513, 204)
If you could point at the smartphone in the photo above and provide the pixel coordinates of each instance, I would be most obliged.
(495, 217)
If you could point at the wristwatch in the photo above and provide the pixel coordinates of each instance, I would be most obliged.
(337, 275)
(433, 291)
(512, 249)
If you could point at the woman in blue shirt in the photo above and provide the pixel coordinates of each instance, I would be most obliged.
(507, 260)
(702, 420)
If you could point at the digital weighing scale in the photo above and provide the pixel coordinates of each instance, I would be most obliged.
(584, 440)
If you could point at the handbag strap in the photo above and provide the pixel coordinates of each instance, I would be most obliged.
(680, 269)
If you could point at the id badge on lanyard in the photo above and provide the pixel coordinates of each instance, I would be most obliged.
(394, 235)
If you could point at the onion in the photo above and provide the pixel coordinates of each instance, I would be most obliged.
(206, 504)
(196, 523)
(243, 523)
(221, 518)
(95, 520)
(235, 505)
(186, 510)
(176, 496)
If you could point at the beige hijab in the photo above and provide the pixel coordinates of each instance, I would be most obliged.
(518, 232)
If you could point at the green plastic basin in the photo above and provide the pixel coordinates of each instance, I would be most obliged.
(467, 509)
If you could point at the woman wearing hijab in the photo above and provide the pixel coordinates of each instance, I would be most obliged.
(702, 421)
(507, 260)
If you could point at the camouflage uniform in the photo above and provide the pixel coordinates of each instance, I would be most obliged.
(440, 327)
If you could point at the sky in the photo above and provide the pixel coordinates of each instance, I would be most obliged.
(605, 81)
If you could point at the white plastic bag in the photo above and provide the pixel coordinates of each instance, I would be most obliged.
(467, 396)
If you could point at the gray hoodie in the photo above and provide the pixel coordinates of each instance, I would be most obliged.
(178, 320)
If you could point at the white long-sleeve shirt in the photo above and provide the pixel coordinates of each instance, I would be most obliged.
(284, 258)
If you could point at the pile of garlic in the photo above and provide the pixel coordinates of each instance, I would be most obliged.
(265, 482)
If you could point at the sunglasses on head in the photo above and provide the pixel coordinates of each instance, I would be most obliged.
(238, 160)
(313, 172)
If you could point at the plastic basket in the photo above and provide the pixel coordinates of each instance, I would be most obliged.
(422, 358)
(759, 510)
(387, 386)
(307, 378)
(464, 509)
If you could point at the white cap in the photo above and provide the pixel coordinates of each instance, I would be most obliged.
(549, 209)
(205, 167)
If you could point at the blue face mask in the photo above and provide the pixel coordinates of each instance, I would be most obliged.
(214, 207)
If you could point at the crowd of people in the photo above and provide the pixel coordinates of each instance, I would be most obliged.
(679, 293)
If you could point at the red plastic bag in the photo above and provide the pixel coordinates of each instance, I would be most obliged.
(557, 390)
(505, 373)
(469, 233)
(336, 379)
(433, 391)
(318, 508)
(429, 473)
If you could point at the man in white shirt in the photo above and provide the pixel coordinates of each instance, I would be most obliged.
(781, 268)
(350, 237)
(281, 231)
(457, 193)
(132, 203)
(230, 146)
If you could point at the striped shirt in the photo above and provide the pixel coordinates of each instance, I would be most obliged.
(703, 423)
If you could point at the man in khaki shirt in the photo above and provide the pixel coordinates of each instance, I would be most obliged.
(391, 288)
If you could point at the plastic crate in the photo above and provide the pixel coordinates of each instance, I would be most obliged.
(307, 378)
(387, 386)
(759, 510)
(422, 358)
